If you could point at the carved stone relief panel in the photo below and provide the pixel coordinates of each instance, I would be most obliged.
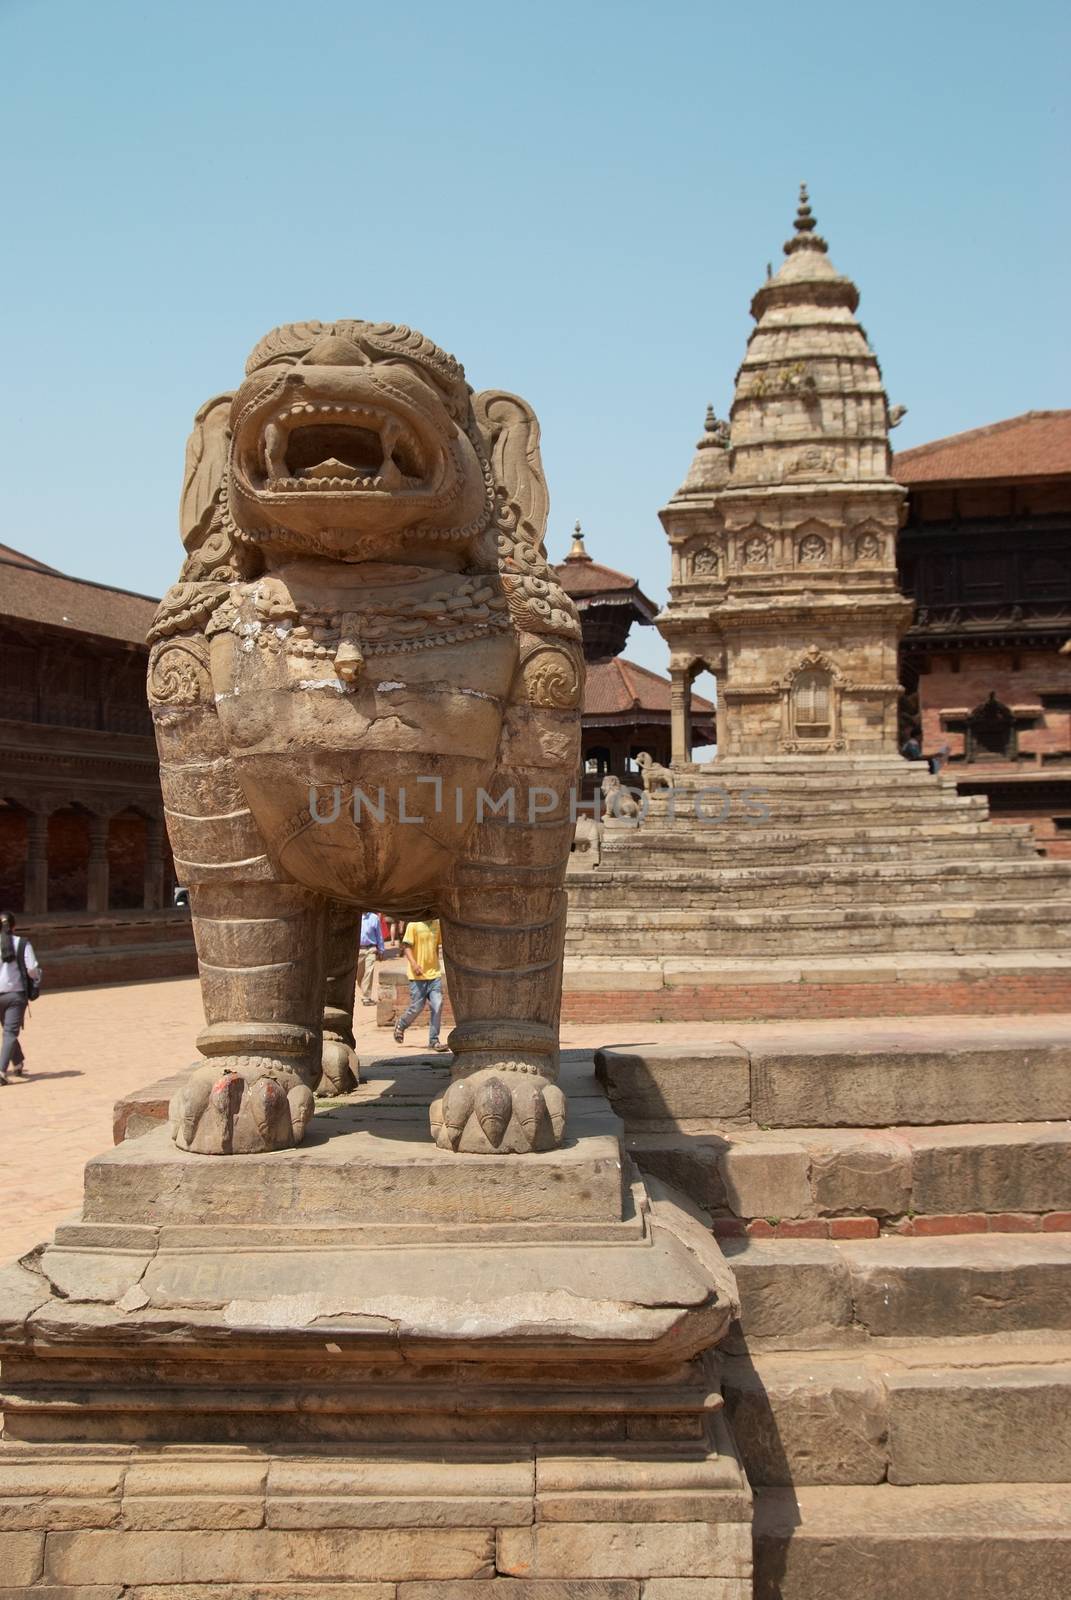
(813, 551)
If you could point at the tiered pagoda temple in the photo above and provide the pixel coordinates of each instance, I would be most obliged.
(626, 706)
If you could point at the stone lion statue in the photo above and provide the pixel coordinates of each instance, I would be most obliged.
(366, 690)
(618, 803)
(654, 774)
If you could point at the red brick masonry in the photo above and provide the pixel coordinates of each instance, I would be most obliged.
(1004, 995)
(871, 1228)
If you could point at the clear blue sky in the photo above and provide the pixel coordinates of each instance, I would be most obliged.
(578, 199)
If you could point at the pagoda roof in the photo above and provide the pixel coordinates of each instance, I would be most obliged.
(620, 689)
(589, 583)
(32, 592)
(1035, 444)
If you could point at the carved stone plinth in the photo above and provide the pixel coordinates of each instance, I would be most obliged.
(369, 1360)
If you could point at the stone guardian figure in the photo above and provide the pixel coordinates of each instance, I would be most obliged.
(366, 688)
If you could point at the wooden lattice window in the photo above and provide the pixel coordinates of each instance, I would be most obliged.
(812, 704)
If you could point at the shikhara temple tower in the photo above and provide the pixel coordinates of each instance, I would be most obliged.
(783, 533)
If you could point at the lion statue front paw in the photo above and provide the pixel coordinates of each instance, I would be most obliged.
(506, 1110)
(241, 1105)
(340, 1069)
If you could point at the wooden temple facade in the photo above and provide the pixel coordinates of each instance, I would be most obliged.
(985, 554)
(627, 708)
(84, 858)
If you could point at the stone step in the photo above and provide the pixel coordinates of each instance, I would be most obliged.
(936, 1411)
(834, 882)
(967, 1072)
(863, 773)
(713, 848)
(773, 896)
(709, 916)
(687, 831)
(803, 1293)
(714, 806)
(753, 800)
(1009, 1172)
(945, 927)
(887, 1542)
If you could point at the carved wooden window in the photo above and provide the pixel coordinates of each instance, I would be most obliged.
(812, 704)
(18, 684)
(991, 731)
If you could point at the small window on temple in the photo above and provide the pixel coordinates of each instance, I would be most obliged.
(812, 697)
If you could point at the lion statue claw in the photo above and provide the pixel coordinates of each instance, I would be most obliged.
(240, 1106)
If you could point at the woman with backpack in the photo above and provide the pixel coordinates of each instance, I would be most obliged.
(20, 977)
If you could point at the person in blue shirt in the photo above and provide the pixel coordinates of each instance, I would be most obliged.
(371, 951)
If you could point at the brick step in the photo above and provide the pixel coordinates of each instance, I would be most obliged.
(967, 1072)
(805, 1293)
(887, 1542)
(981, 1175)
(934, 1412)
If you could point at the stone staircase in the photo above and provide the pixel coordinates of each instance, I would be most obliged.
(784, 856)
(897, 1210)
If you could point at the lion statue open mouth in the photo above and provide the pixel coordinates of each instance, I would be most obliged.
(366, 613)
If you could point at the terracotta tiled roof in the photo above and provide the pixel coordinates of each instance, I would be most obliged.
(1034, 445)
(20, 559)
(619, 686)
(31, 593)
(586, 581)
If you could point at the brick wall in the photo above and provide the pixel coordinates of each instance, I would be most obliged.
(1005, 995)
(1017, 679)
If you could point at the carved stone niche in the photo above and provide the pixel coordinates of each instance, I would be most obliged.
(812, 462)
(868, 546)
(812, 551)
(811, 705)
(705, 561)
(756, 549)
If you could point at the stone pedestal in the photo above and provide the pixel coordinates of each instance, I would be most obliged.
(369, 1362)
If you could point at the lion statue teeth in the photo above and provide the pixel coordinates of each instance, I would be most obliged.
(366, 689)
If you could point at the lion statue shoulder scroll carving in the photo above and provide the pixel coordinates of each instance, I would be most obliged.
(366, 687)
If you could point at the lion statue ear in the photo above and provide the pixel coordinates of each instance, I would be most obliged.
(511, 435)
(206, 459)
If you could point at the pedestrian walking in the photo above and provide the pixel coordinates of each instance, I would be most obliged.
(371, 950)
(20, 977)
(420, 941)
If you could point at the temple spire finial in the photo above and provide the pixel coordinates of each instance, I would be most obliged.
(715, 433)
(577, 552)
(805, 237)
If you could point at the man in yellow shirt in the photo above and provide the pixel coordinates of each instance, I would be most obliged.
(420, 941)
